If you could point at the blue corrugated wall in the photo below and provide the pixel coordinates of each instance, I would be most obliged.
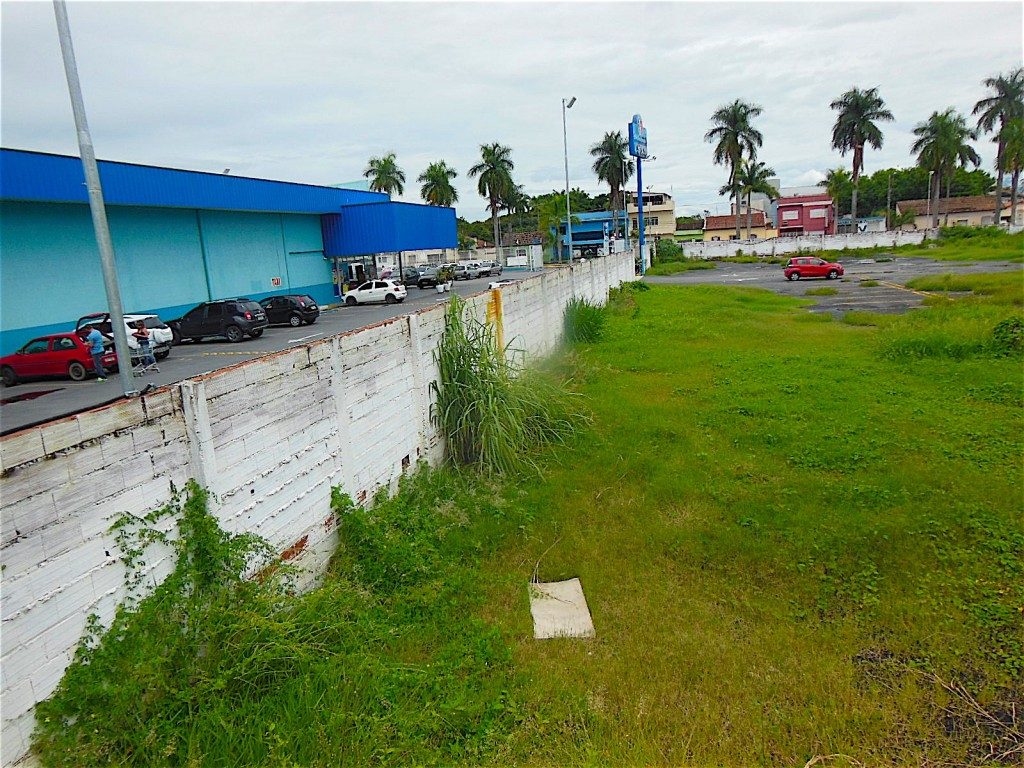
(391, 226)
(165, 258)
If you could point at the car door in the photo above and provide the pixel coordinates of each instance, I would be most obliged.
(192, 322)
(63, 351)
(272, 307)
(213, 320)
(378, 291)
(819, 267)
(33, 358)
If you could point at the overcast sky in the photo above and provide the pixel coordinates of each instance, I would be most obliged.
(309, 91)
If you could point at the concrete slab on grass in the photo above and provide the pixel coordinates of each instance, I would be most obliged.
(560, 610)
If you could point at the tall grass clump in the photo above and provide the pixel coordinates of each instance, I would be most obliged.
(493, 412)
(584, 322)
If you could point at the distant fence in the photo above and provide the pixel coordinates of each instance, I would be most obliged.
(778, 246)
(268, 438)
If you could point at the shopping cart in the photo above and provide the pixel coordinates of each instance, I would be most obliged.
(143, 360)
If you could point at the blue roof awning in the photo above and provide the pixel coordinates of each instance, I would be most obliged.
(385, 227)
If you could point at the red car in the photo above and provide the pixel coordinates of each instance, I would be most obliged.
(812, 266)
(62, 354)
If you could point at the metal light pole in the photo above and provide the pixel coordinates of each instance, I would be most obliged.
(888, 204)
(565, 145)
(99, 212)
(625, 205)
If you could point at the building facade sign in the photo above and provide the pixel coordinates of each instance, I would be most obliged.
(637, 138)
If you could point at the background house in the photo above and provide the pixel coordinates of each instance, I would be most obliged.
(812, 214)
(659, 215)
(724, 227)
(523, 250)
(864, 224)
(973, 211)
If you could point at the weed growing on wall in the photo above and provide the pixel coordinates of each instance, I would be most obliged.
(583, 322)
(493, 412)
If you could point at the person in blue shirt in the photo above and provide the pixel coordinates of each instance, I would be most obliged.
(94, 339)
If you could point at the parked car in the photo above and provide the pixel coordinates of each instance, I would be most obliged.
(410, 276)
(292, 309)
(812, 266)
(234, 319)
(160, 335)
(428, 278)
(62, 354)
(467, 271)
(490, 269)
(388, 291)
(500, 283)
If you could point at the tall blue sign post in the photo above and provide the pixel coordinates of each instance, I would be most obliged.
(638, 149)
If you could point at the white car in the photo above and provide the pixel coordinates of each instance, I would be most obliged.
(500, 284)
(160, 335)
(387, 291)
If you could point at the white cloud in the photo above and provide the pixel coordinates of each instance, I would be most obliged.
(309, 91)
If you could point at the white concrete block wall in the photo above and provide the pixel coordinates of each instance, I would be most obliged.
(269, 438)
(781, 246)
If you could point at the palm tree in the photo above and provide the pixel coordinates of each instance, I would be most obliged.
(836, 181)
(735, 136)
(385, 175)
(614, 167)
(1013, 158)
(437, 186)
(855, 126)
(941, 147)
(754, 178)
(495, 172)
(550, 210)
(1005, 103)
(516, 202)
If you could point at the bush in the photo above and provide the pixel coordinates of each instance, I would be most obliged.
(1008, 336)
(825, 291)
(667, 250)
(493, 413)
(584, 322)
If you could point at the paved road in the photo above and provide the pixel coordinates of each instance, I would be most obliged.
(887, 297)
(37, 401)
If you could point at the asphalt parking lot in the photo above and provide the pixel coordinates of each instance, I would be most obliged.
(38, 401)
(888, 297)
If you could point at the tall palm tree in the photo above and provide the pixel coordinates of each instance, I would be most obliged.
(1013, 158)
(734, 136)
(495, 172)
(385, 175)
(614, 167)
(1005, 103)
(437, 186)
(754, 177)
(855, 126)
(516, 202)
(941, 147)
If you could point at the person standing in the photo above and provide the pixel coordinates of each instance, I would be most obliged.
(95, 341)
(141, 334)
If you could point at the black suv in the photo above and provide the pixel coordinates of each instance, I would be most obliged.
(234, 319)
(294, 310)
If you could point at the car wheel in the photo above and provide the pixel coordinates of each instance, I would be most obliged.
(233, 334)
(162, 355)
(196, 339)
(795, 276)
(8, 375)
(294, 321)
(350, 301)
(832, 274)
(76, 371)
(257, 333)
(175, 336)
(390, 299)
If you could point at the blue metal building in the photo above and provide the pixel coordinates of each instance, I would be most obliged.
(591, 233)
(180, 238)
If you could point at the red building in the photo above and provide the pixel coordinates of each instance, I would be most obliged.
(806, 215)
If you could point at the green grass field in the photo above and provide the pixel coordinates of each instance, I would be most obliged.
(791, 533)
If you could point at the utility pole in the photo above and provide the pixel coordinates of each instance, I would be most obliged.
(99, 211)
(888, 204)
(565, 145)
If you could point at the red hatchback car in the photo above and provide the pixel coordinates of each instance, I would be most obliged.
(62, 354)
(812, 266)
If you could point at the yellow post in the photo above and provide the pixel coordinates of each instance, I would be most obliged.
(495, 316)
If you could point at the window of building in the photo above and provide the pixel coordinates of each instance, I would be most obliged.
(716, 237)
(650, 221)
(520, 252)
(960, 221)
(792, 215)
(733, 237)
(818, 213)
(753, 236)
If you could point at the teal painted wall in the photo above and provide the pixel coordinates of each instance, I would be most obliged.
(50, 274)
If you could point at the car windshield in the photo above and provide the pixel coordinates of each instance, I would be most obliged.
(307, 299)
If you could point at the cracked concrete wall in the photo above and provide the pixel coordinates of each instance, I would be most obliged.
(268, 438)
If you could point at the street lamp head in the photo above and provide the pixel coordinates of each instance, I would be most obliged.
(570, 103)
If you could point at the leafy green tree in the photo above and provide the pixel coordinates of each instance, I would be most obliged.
(495, 178)
(437, 186)
(516, 202)
(754, 178)
(941, 147)
(614, 167)
(839, 184)
(733, 137)
(855, 126)
(1013, 158)
(1005, 103)
(550, 210)
(385, 175)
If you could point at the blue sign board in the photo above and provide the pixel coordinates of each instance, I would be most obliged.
(637, 138)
